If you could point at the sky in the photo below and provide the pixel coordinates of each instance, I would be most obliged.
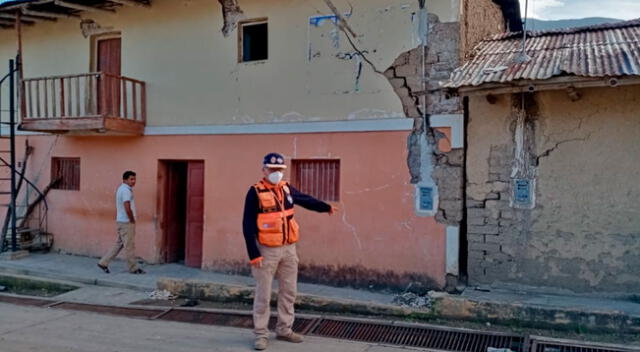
(565, 9)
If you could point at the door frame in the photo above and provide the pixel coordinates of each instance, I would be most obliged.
(161, 224)
(93, 57)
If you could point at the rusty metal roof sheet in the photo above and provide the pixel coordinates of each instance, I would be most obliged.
(596, 51)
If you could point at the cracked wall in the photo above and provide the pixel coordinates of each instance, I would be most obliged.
(583, 234)
(441, 57)
(231, 14)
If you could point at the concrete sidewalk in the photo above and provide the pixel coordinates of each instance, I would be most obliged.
(84, 270)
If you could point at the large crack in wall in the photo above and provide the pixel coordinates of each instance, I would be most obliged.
(422, 98)
(232, 14)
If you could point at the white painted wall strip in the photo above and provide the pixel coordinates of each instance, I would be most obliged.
(453, 248)
(397, 124)
(455, 122)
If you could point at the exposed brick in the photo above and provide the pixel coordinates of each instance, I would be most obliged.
(454, 216)
(406, 70)
(402, 92)
(401, 60)
(412, 111)
(493, 176)
(397, 83)
(499, 256)
(415, 56)
(414, 82)
(390, 73)
(507, 214)
(475, 204)
(499, 186)
(455, 157)
(478, 213)
(493, 238)
(492, 221)
(486, 229)
(496, 204)
(476, 221)
(407, 100)
(493, 196)
(450, 192)
(474, 255)
(475, 238)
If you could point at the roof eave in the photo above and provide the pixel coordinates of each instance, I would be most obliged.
(555, 83)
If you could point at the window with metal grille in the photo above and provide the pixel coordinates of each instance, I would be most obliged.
(67, 171)
(318, 178)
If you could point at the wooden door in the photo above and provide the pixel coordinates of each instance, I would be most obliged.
(195, 213)
(175, 211)
(108, 61)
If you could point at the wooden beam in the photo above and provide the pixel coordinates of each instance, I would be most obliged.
(79, 7)
(131, 3)
(24, 18)
(46, 14)
(6, 21)
(558, 83)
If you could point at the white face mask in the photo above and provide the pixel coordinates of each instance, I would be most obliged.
(275, 177)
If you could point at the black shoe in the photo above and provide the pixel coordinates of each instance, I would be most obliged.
(139, 271)
(104, 268)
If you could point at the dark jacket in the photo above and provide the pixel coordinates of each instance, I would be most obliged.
(252, 208)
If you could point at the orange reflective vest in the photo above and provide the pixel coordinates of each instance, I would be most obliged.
(276, 225)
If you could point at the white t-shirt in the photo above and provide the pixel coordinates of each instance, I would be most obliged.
(124, 194)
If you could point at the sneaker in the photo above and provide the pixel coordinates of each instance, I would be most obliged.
(261, 343)
(139, 271)
(292, 337)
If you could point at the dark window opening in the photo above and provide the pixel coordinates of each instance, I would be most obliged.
(67, 172)
(318, 178)
(254, 41)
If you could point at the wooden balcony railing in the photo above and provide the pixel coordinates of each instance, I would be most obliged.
(87, 95)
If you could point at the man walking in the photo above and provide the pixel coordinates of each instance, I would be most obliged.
(271, 233)
(126, 222)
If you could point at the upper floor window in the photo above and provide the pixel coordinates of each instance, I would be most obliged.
(254, 40)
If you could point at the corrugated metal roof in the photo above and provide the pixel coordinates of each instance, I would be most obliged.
(596, 51)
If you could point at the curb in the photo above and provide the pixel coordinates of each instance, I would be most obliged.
(70, 278)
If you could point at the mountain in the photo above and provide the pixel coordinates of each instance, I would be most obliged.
(538, 25)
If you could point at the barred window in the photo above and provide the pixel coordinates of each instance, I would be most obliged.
(317, 177)
(67, 170)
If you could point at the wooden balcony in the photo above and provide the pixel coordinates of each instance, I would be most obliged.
(84, 104)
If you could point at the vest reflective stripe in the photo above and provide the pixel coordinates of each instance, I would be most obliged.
(276, 226)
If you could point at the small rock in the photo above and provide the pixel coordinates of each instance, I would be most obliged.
(412, 300)
(162, 295)
(190, 302)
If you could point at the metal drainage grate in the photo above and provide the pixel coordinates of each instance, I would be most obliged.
(544, 344)
(301, 325)
(414, 336)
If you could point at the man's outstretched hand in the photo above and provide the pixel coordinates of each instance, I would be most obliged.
(333, 210)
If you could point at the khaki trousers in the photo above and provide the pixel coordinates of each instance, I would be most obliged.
(126, 240)
(281, 263)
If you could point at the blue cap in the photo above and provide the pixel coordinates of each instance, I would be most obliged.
(274, 161)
